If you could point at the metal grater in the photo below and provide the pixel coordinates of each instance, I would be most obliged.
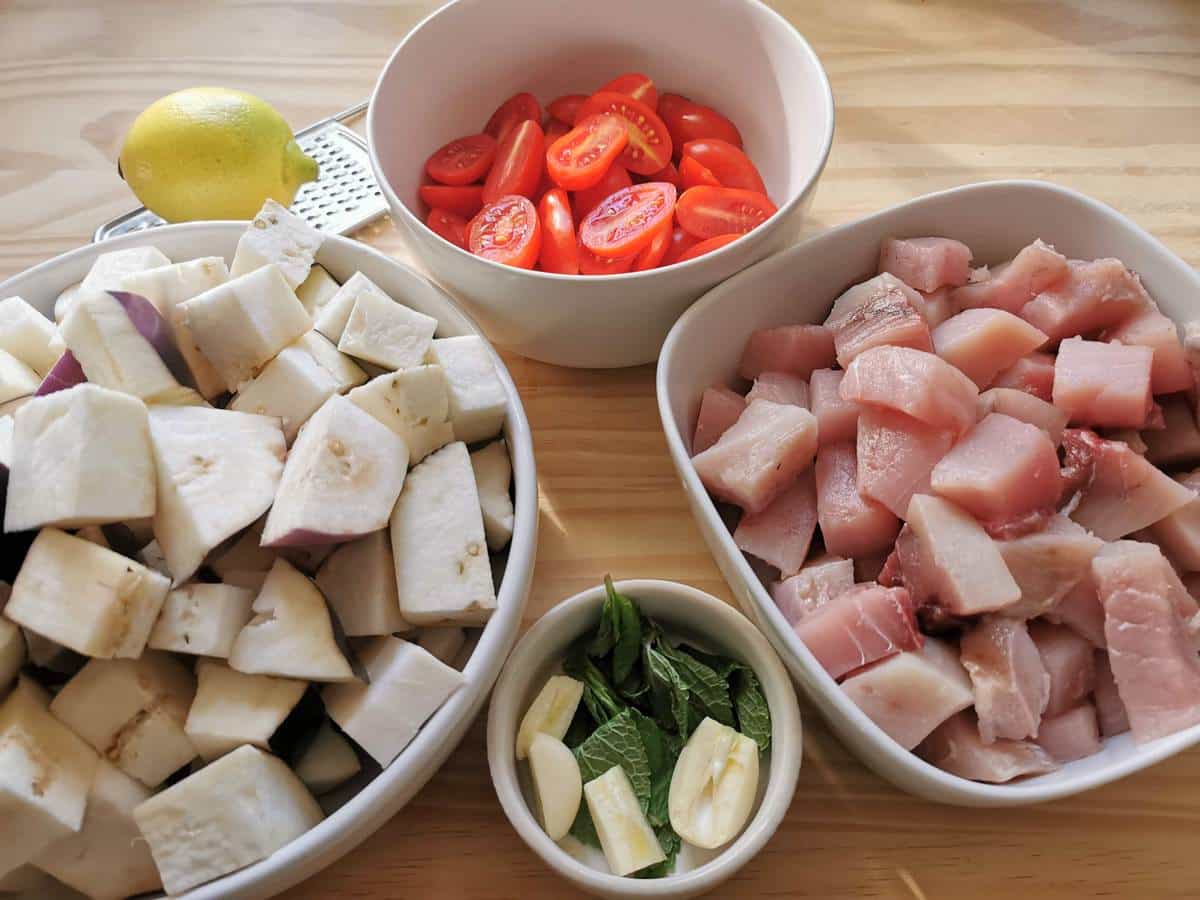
(342, 199)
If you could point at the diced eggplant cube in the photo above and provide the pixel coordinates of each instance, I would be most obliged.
(386, 333)
(328, 761)
(414, 403)
(232, 708)
(12, 654)
(444, 643)
(493, 477)
(290, 387)
(359, 581)
(344, 370)
(27, 335)
(17, 380)
(277, 236)
(317, 289)
(202, 619)
(331, 319)
(478, 401)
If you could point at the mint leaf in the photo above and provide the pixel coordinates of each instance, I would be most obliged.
(599, 697)
(615, 743)
(582, 725)
(707, 691)
(628, 644)
(609, 628)
(668, 693)
(753, 714)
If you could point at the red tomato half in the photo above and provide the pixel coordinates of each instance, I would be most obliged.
(560, 249)
(651, 256)
(668, 173)
(636, 85)
(449, 225)
(591, 264)
(728, 163)
(579, 159)
(565, 107)
(554, 130)
(614, 180)
(519, 162)
(628, 220)
(715, 243)
(692, 174)
(463, 161)
(507, 231)
(649, 147)
(706, 212)
(681, 243)
(462, 201)
(688, 121)
(512, 112)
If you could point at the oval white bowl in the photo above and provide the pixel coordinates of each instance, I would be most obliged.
(798, 286)
(382, 797)
(737, 55)
(685, 611)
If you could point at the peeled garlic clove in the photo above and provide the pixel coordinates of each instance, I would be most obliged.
(713, 785)
(557, 783)
(551, 713)
(626, 837)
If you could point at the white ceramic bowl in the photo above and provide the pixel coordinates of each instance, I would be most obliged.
(683, 611)
(459, 64)
(382, 797)
(797, 286)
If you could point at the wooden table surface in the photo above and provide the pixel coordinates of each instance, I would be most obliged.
(1101, 96)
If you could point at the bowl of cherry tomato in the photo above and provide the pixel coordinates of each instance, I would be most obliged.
(578, 174)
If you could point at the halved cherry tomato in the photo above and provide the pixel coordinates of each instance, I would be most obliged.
(554, 130)
(728, 163)
(693, 174)
(614, 180)
(713, 243)
(565, 107)
(591, 264)
(681, 243)
(519, 162)
(560, 248)
(462, 201)
(688, 121)
(649, 147)
(709, 211)
(580, 158)
(449, 225)
(651, 256)
(462, 161)
(636, 85)
(507, 231)
(668, 173)
(628, 220)
(512, 112)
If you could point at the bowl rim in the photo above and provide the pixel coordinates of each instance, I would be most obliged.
(418, 226)
(783, 775)
(378, 801)
(914, 774)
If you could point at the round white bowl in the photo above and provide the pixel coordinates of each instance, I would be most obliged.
(995, 220)
(383, 797)
(685, 611)
(460, 63)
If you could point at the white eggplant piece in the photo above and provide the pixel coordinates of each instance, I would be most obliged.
(408, 685)
(344, 370)
(12, 654)
(628, 841)
(28, 882)
(202, 619)
(307, 558)
(152, 557)
(17, 380)
(443, 643)
(107, 858)
(713, 786)
(107, 273)
(557, 782)
(493, 478)
(414, 403)
(291, 634)
(341, 480)
(218, 471)
(63, 302)
(550, 712)
(290, 387)
(85, 597)
(80, 457)
(443, 574)
(245, 562)
(45, 774)
(331, 319)
(233, 812)
(478, 403)
(167, 287)
(277, 236)
(232, 708)
(386, 333)
(45, 654)
(359, 581)
(317, 289)
(6, 442)
(93, 534)
(241, 324)
(330, 760)
(28, 335)
(132, 712)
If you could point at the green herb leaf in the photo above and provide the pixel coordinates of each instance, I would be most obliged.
(670, 843)
(753, 714)
(601, 700)
(628, 642)
(581, 726)
(668, 693)
(617, 742)
(609, 627)
(707, 690)
(662, 752)
(722, 665)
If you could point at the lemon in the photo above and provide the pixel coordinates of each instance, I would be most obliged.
(212, 153)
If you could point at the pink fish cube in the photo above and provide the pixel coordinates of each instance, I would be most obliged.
(1068, 659)
(912, 693)
(1048, 564)
(981, 343)
(915, 383)
(760, 456)
(1027, 408)
(1103, 384)
(781, 533)
(859, 626)
(795, 349)
(956, 747)
(837, 419)
(906, 568)
(1070, 735)
(1081, 611)
(1178, 443)
(896, 455)
(1150, 328)
(1034, 375)
(852, 525)
(720, 407)
(1110, 711)
(1179, 533)
(1011, 285)
(926, 263)
(1011, 683)
(779, 387)
(801, 595)
(937, 306)
(1096, 294)
(879, 312)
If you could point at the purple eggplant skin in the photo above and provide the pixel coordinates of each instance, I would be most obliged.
(66, 373)
(156, 330)
(303, 537)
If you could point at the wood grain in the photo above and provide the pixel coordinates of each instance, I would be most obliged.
(1101, 96)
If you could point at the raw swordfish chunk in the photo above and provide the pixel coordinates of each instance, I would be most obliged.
(779, 387)
(795, 349)
(1179, 533)
(882, 311)
(926, 263)
(1034, 375)
(851, 524)
(1150, 328)
(1012, 285)
(1011, 683)
(1106, 385)
(720, 407)
(956, 747)
(1178, 442)
(1027, 408)
(837, 419)
(1048, 564)
(1095, 294)
(1071, 735)
(1109, 708)
(781, 533)
(810, 589)
(913, 382)
(1080, 610)
(984, 342)
(896, 455)
(1068, 659)
(859, 626)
